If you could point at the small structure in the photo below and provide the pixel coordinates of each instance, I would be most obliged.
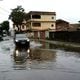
(62, 25)
(74, 27)
(21, 27)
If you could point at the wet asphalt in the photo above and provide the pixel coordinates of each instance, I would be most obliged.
(44, 62)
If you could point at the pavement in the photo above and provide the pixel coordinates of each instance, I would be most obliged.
(61, 44)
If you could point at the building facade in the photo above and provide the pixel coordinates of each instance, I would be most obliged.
(40, 23)
(21, 27)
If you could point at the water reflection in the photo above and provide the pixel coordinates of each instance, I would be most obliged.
(51, 46)
(45, 60)
(42, 59)
(34, 59)
(66, 50)
(20, 54)
(45, 57)
(42, 54)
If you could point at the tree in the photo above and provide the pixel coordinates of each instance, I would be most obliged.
(17, 15)
(0, 29)
(5, 26)
(78, 21)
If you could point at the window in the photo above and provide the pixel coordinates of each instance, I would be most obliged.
(36, 24)
(36, 16)
(52, 17)
(22, 26)
(52, 25)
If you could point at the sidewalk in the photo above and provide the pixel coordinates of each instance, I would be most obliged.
(66, 45)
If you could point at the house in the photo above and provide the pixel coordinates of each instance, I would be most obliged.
(62, 25)
(41, 23)
(21, 27)
(66, 31)
(74, 27)
(61, 29)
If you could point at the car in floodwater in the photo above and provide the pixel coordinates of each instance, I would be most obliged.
(21, 40)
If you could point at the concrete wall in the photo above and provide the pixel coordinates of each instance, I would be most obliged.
(44, 26)
(46, 22)
(72, 36)
(46, 18)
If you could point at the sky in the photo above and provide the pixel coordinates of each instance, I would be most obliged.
(65, 9)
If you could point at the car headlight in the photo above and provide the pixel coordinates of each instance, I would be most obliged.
(28, 40)
(16, 40)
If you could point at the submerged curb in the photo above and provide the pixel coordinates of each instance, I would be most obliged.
(63, 45)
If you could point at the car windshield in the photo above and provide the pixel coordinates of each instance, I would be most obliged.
(21, 36)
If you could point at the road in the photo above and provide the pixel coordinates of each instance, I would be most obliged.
(45, 62)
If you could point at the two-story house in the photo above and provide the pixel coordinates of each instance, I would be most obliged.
(41, 23)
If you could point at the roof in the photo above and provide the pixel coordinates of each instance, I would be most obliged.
(75, 25)
(60, 20)
(42, 13)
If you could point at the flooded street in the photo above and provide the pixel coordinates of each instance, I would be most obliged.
(44, 62)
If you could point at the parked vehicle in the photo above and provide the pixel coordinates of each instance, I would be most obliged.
(1, 38)
(6, 38)
(4, 33)
(21, 40)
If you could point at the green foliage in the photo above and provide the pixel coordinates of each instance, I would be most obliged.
(17, 15)
(5, 25)
(0, 29)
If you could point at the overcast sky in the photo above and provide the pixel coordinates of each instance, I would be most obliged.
(65, 9)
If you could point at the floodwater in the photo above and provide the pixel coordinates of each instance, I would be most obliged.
(44, 62)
